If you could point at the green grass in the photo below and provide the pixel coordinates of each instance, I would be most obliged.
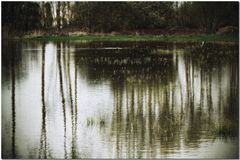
(163, 38)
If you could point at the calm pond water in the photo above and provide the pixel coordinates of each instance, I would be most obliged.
(126, 100)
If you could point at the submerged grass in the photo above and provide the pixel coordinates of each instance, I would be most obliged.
(90, 121)
(170, 38)
(101, 121)
(226, 129)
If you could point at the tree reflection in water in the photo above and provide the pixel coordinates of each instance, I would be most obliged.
(151, 111)
(160, 99)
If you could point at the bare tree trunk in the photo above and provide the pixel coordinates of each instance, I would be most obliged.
(58, 16)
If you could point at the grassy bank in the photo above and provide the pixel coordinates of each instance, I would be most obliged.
(170, 38)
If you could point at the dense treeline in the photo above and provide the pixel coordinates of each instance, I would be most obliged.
(22, 16)
(119, 16)
(114, 16)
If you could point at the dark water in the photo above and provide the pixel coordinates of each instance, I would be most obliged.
(126, 100)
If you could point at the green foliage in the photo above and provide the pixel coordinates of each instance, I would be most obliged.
(185, 16)
(208, 16)
(23, 16)
(121, 16)
(114, 16)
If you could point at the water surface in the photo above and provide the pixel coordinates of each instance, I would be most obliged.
(119, 100)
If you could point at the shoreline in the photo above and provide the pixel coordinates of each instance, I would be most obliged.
(126, 38)
(133, 38)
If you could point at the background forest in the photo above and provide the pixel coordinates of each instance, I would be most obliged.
(147, 17)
